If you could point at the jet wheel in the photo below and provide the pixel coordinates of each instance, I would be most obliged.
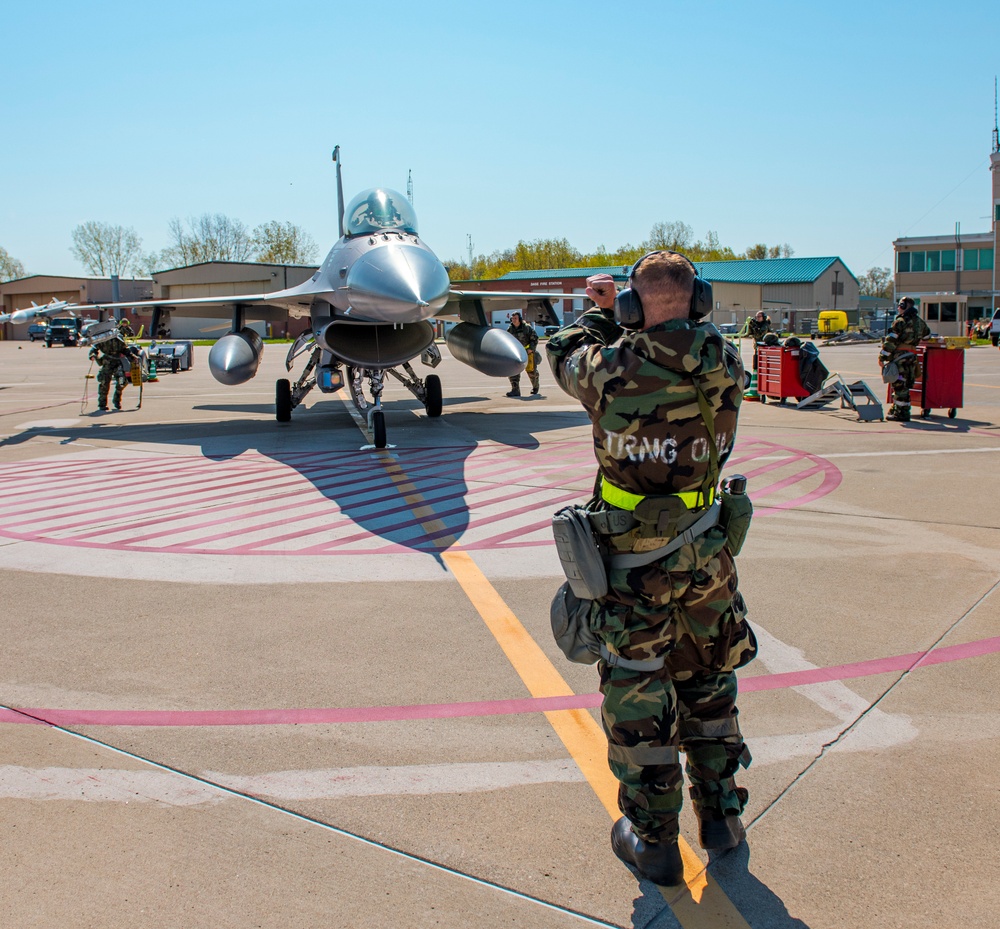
(378, 429)
(283, 400)
(432, 400)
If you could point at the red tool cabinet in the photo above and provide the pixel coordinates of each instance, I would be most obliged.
(778, 373)
(941, 381)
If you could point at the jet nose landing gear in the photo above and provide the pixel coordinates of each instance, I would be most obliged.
(376, 426)
(432, 395)
(370, 409)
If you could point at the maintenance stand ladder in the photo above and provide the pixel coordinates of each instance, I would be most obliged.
(835, 387)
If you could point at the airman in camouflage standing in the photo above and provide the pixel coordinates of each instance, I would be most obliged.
(900, 348)
(114, 360)
(674, 628)
(526, 335)
(758, 326)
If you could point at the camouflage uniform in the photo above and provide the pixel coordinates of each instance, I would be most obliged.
(113, 359)
(527, 336)
(900, 346)
(757, 330)
(651, 438)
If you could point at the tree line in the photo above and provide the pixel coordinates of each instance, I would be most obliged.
(543, 254)
(106, 249)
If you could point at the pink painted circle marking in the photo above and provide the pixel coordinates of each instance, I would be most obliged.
(369, 714)
(344, 503)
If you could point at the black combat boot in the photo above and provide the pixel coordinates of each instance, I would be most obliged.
(899, 414)
(516, 392)
(658, 862)
(717, 834)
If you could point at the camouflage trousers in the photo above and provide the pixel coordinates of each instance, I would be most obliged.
(686, 608)
(515, 381)
(909, 371)
(108, 374)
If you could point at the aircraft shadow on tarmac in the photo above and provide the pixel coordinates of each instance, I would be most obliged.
(414, 495)
(756, 902)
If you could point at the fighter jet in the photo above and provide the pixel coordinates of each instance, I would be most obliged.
(370, 304)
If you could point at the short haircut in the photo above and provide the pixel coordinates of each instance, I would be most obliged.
(665, 279)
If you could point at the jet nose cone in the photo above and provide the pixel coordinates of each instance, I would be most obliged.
(398, 283)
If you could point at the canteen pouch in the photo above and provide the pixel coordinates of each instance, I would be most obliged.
(734, 518)
(579, 553)
(570, 618)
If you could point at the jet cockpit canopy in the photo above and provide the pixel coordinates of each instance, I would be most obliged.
(378, 210)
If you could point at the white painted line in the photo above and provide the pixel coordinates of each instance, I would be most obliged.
(109, 785)
(878, 730)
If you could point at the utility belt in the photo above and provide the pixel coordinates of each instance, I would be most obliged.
(581, 535)
(661, 513)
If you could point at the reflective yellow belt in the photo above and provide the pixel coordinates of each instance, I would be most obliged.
(624, 500)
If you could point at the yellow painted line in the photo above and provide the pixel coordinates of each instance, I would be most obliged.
(701, 903)
(414, 499)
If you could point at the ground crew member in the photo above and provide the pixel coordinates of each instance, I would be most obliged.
(114, 359)
(527, 336)
(900, 348)
(663, 401)
(758, 326)
(125, 328)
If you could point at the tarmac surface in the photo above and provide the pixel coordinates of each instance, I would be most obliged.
(259, 674)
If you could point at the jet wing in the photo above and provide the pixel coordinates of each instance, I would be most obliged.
(296, 299)
(184, 301)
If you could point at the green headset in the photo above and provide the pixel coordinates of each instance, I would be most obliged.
(628, 307)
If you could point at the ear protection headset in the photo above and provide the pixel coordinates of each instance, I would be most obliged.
(628, 307)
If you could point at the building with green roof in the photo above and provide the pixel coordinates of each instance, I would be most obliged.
(792, 291)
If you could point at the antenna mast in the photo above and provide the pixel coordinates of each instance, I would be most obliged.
(996, 125)
(409, 186)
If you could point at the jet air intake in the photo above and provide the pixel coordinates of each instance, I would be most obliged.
(235, 357)
(364, 346)
(397, 283)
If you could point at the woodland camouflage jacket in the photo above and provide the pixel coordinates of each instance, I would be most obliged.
(524, 334)
(906, 331)
(638, 389)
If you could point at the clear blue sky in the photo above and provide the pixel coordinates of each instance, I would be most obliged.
(832, 127)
